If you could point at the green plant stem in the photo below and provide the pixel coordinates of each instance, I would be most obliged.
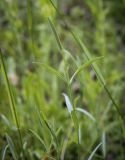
(11, 98)
(99, 76)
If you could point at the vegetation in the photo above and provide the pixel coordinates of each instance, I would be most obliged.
(62, 80)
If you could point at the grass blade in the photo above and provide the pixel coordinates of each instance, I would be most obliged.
(11, 99)
(6, 121)
(55, 34)
(52, 70)
(68, 103)
(98, 73)
(104, 144)
(80, 135)
(86, 113)
(43, 121)
(88, 57)
(12, 148)
(54, 137)
(76, 124)
(54, 6)
(4, 152)
(88, 63)
(70, 55)
(39, 138)
(94, 151)
(51, 132)
(72, 113)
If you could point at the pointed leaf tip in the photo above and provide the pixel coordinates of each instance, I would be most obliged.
(68, 103)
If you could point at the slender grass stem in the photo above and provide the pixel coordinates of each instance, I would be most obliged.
(99, 75)
(11, 99)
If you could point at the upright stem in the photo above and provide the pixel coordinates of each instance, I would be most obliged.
(11, 98)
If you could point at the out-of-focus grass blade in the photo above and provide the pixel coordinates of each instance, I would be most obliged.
(11, 99)
(11, 147)
(94, 151)
(39, 138)
(4, 152)
(88, 56)
(52, 70)
(12, 103)
(58, 11)
(86, 113)
(54, 137)
(58, 131)
(72, 113)
(76, 123)
(6, 121)
(80, 134)
(55, 7)
(98, 73)
(70, 55)
(88, 63)
(65, 142)
(52, 132)
(68, 103)
(55, 34)
(42, 119)
(104, 144)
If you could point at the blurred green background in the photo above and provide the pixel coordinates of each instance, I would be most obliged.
(27, 37)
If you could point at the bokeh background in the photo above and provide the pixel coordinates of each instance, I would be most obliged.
(26, 37)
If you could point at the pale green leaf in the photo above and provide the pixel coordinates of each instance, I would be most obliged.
(88, 63)
(104, 144)
(68, 103)
(94, 151)
(4, 152)
(85, 113)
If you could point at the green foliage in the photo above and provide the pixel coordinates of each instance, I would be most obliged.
(55, 54)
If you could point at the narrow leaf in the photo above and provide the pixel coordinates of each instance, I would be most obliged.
(72, 112)
(11, 99)
(43, 121)
(50, 129)
(11, 147)
(68, 103)
(52, 70)
(55, 34)
(88, 56)
(52, 132)
(76, 124)
(4, 152)
(55, 7)
(98, 73)
(6, 121)
(104, 144)
(39, 138)
(79, 133)
(70, 55)
(86, 113)
(88, 63)
(94, 151)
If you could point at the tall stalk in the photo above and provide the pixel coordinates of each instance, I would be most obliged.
(11, 99)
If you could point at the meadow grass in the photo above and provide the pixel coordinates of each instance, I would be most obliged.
(59, 110)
